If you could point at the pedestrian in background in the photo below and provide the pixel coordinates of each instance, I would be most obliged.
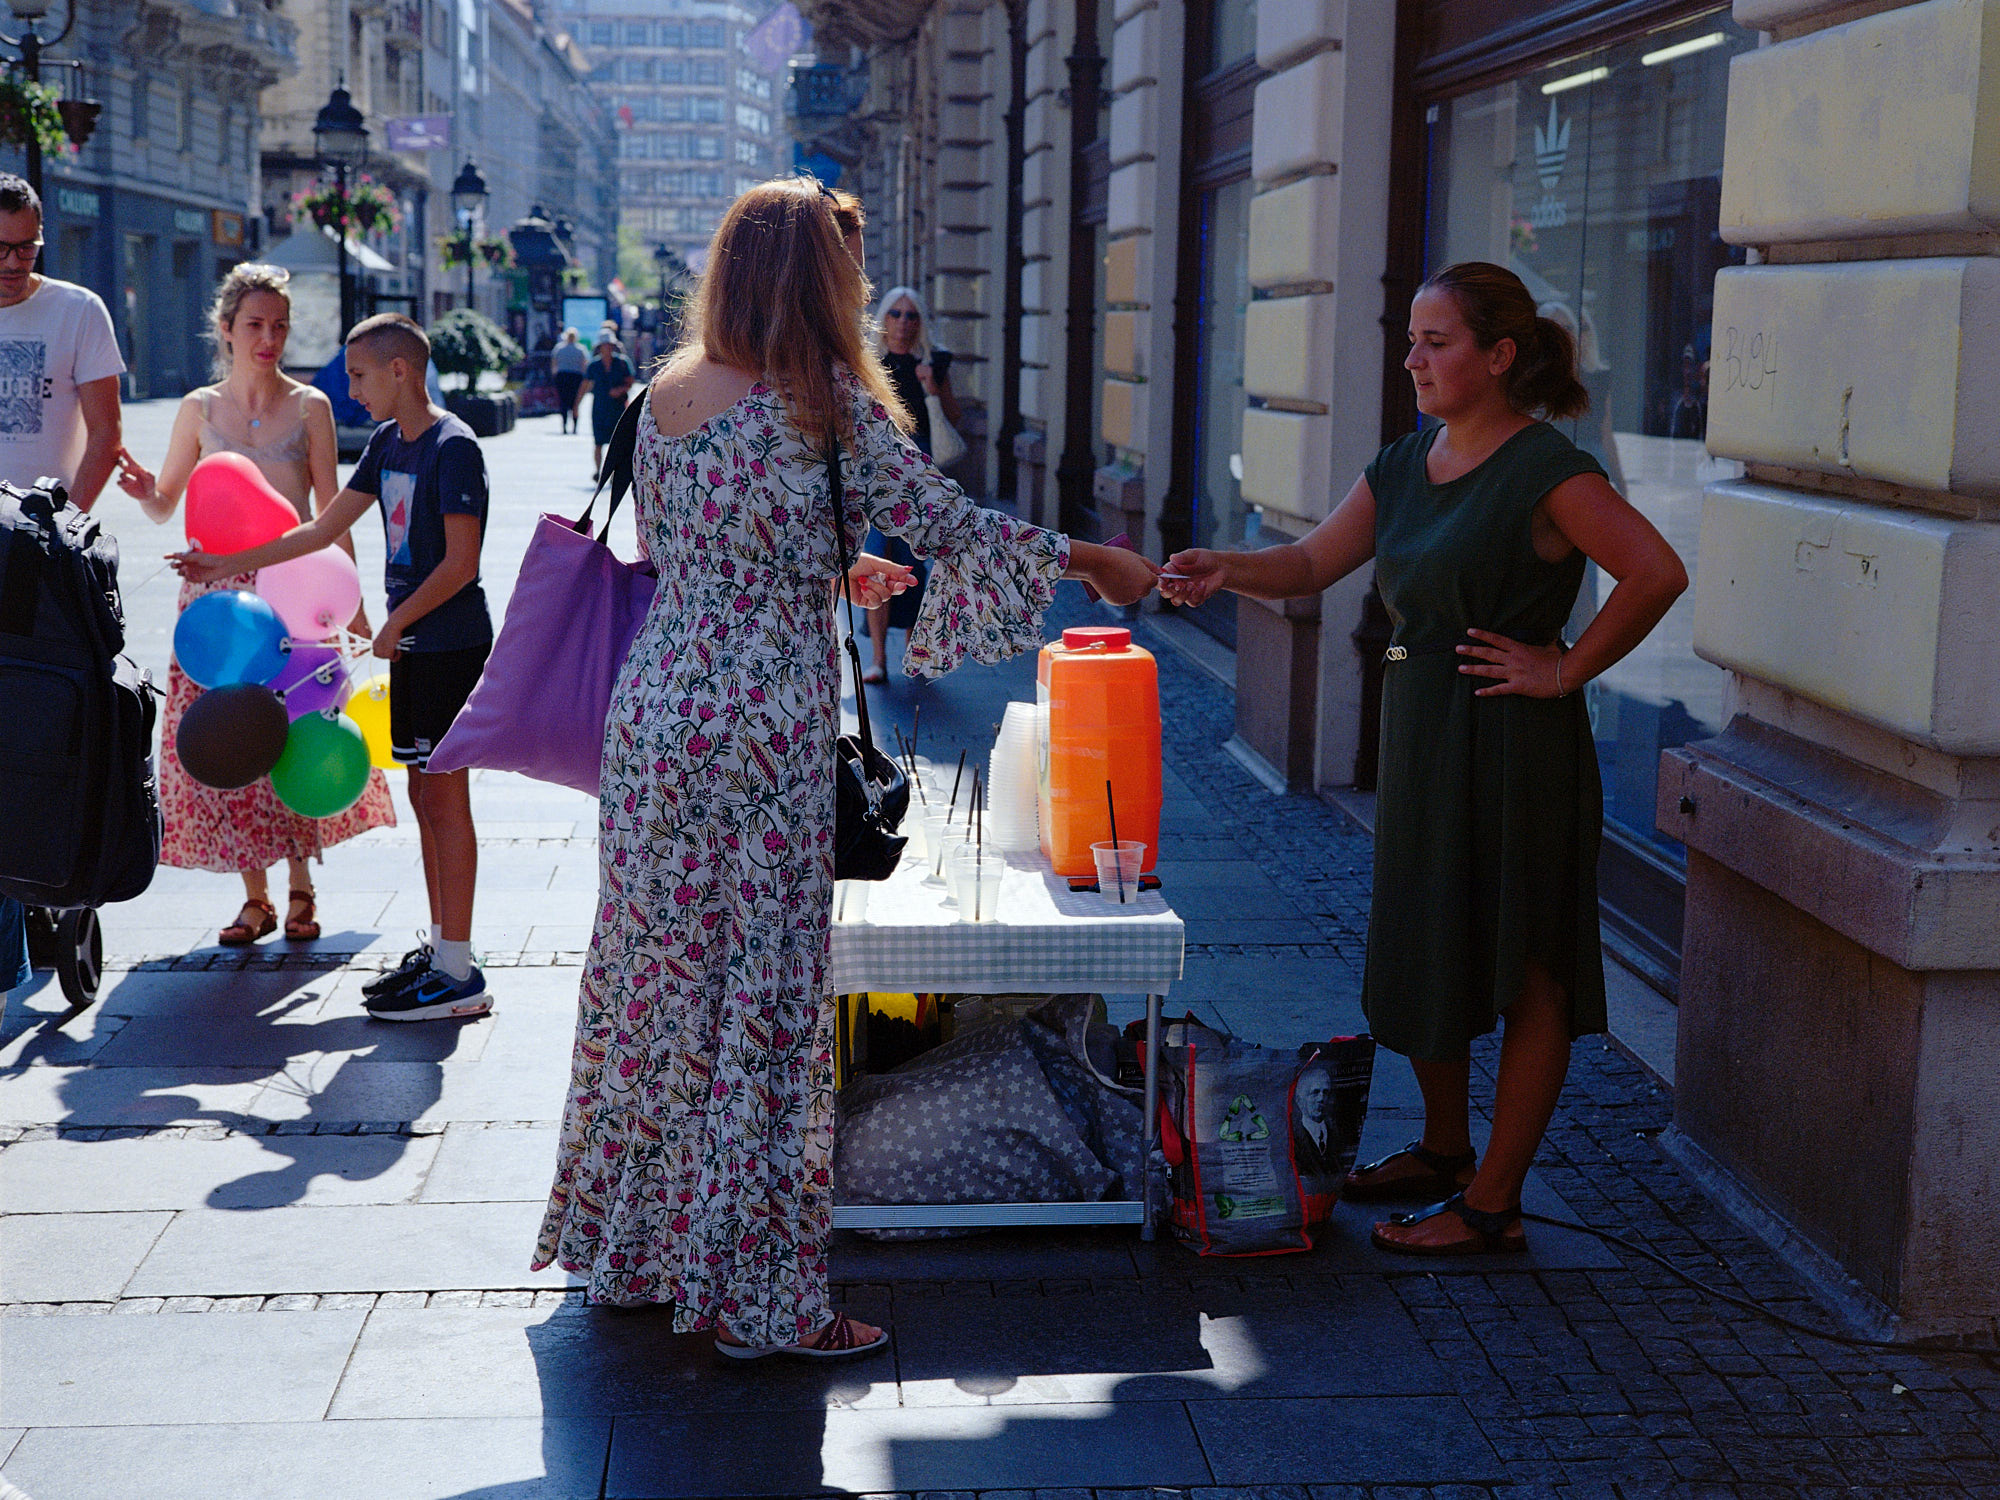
(64, 427)
(285, 429)
(919, 370)
(424, 467)
(694, 1165)
(566, 365)
(1489, 808)
(608, 382)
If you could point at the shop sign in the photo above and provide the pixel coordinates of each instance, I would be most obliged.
(419, 133)
(190, 221)
(226, 229)
(1551, 156)
(76, 202)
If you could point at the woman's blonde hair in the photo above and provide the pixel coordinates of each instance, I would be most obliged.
(781, 295)
(921, 346)
(251, 276)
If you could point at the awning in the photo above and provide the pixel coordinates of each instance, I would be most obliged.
(319, 252)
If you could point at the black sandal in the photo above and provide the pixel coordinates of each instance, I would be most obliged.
(1439, 1182)
(1497, 1233)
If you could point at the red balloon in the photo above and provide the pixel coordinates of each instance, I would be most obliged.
(231, 505)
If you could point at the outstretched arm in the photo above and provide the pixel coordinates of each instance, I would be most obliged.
(159, 496)
(322, 530)
(1325, 555)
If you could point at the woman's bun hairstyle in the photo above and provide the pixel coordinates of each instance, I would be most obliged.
(1496, 305)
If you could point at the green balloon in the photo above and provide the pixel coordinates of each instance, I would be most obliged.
(324, 769)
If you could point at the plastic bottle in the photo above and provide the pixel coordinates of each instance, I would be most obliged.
(1098, 697)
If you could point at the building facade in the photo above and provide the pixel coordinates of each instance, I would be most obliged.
(162, 199)
(696, 116)
(440, 83)
(1182, 236)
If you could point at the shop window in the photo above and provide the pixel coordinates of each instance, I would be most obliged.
(1232, 31)
(1598, 181)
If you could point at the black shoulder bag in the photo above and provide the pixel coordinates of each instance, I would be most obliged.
(871, 793)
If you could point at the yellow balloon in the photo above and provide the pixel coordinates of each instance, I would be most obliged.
(368, 707)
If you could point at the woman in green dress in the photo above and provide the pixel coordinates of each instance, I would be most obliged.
(1489, 809)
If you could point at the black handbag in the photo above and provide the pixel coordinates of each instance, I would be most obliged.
(871, 794)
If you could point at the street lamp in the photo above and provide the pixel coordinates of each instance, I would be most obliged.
(340, 136)
(468, 196)
(669, 263)
(29, 44)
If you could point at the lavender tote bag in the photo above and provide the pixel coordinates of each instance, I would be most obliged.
(540, 705)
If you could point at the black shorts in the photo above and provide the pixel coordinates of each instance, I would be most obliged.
(426, 691)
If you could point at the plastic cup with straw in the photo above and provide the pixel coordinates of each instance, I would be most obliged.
(1111, 806)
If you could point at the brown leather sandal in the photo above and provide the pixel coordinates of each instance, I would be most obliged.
(302, 928)
(1488, 1233)
(240, 934)
(1444, 1174)
(839, 1339)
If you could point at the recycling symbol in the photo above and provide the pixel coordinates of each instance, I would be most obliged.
(1244, 1122)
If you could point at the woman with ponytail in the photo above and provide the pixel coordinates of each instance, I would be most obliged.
(1489, 809)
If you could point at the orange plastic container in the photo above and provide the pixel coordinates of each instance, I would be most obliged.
(1099, 697)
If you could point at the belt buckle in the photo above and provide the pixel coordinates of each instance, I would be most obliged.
(1396, 653)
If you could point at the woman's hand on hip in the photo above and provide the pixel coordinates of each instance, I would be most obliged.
(1524, 670)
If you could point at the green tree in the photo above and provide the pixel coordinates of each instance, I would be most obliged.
(468, 344)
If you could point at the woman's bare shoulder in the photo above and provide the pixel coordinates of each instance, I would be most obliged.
(691, 390)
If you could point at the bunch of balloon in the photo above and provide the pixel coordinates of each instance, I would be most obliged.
(270, 660)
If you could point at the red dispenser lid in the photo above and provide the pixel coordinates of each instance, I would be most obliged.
(1097, 637)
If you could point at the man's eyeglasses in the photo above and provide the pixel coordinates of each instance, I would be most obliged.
(20, 250)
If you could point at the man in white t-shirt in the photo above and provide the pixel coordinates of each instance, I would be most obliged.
(59, 363)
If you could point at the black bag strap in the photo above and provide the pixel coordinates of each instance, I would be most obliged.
(617, 470)
(847, 592)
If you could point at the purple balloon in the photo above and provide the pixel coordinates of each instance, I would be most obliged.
(314, 679)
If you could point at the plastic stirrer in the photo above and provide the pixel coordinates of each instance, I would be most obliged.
(1117, 860)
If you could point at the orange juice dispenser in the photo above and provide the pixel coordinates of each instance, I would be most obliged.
(1098, 701)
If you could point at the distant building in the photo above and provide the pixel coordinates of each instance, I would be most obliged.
(161, 201)
(697, 118)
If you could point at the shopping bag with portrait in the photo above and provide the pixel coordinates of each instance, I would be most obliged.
(1258, 1139)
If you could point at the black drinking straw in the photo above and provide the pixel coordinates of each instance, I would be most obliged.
(978, 843)
(954, 780)
(1117, 863)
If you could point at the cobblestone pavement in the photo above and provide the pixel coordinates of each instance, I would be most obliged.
(253, 1246)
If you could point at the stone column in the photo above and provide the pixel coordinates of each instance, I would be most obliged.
(1045, 263)
(1840, 984)
(1312, 360)
(969, 253)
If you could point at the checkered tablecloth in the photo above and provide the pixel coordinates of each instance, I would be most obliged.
(1046, 939)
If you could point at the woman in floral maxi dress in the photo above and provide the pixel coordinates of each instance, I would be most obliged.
(694, 1162)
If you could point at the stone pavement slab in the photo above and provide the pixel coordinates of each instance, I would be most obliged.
(1144, 1343)
(579, 1361)
(83, 1257)
(480, 1163)
(472, 1459)
(957, 1448)
(1003, 1255)
(1414, 1440)
(389, 1247)
(85, 1096)
(174, 1367)
(236, 1172)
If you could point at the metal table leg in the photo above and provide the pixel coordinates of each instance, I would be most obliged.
(1149, 1128)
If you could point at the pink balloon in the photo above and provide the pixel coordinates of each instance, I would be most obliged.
(231, 505)
(314, 595)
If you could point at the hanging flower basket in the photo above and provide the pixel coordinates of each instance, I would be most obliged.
(369, 208)
(28, 112)
(454, 251)
(497, 252)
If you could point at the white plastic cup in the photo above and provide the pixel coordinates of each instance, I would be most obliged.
(939, 840)
(976, 876)
(1118, 867)
(850, 900)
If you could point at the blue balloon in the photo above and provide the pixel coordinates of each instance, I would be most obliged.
(230, 637)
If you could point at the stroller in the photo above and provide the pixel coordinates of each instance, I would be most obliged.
(79, 811)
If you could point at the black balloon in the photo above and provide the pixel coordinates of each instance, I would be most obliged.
(232, 735)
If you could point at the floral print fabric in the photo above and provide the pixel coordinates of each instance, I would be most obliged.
(247, 828)
(694, 1165)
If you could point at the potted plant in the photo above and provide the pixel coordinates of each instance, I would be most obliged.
(466, 344)
(367, 208)
(31, 112)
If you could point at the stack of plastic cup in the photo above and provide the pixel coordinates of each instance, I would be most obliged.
(1012, 777)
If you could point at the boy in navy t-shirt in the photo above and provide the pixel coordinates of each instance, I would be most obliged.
(423, 466)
